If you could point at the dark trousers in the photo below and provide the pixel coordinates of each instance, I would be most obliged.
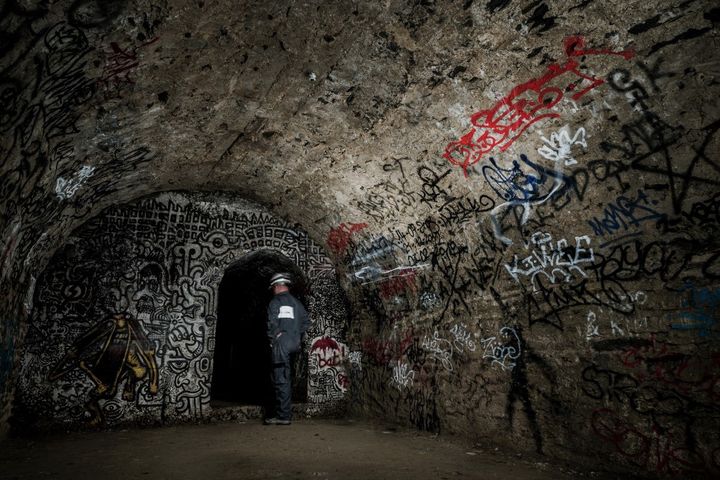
(283, 351)
(283, 388)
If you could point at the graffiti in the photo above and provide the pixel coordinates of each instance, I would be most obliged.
(624, 212)
(431, 193)
(700, 312)
(340, 237)
(440, 349)
(528, 103)
(516, 185)
(634, 259)
(403, 280)
(672, 382)
(548, 302)
(392, 281)
(462, 338)
(558, 148)
(504, 349)
(119, 65)
(166, 277)
(668, 398)
(523, 188)
(555, 262)
(376, 257)
(649, 143)
(65, 189)
(704, 212)
(658, 450)
(39, 121)
(591, 328)
(633, 325)
(328, 378)
(601, 383)
(391, 196)
(185, 342)
(327, 352)
(382, 352)
(113, 351)
(355, 359)
(402, 376)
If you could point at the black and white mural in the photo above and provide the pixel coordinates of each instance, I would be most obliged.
(125, 317)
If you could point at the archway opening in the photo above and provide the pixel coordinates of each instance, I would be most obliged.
(241, 367)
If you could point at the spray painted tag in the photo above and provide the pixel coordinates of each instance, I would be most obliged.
(286, 312)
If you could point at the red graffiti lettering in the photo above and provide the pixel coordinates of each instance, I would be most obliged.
(574, 48)
(683, 373)
(656, 450)
(339, 237)
(386, 351)
(328, 352)
(343, 381)
(398, 284)
(118, 67)
(528, 103)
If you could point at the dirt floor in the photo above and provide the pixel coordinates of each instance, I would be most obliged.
(307, 449)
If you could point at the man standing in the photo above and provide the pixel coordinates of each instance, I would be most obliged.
(287, 322)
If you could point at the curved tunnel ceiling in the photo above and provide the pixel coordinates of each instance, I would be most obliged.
(272, 100)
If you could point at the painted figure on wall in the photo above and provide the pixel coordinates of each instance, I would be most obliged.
(113, 351)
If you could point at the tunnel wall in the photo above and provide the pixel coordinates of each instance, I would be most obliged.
(160, 260)
(549, 281)
(521, 196)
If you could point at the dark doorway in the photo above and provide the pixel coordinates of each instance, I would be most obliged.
(241, 367)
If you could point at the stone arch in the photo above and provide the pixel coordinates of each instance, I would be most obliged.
(160, 261)
(240, 369)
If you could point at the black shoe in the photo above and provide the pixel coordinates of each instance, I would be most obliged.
(276, 421)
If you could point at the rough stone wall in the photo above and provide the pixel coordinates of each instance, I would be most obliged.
(522, 195)
(559, 290)
(159, 261)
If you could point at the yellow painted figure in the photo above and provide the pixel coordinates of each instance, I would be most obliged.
(112, 351)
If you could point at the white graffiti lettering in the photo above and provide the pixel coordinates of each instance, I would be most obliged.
(439, 349)
(558, 148)
(503, 349)
(592, 329)
(462, 338)
(556, 262)
(403, 376)
(66, 188)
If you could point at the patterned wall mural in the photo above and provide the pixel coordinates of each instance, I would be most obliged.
(124, 323)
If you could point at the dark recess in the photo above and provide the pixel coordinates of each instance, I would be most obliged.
(241, 373)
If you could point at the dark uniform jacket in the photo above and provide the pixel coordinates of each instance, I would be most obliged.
(287, 317)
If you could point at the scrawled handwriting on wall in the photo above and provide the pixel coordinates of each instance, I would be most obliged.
(556, 262)
(402, 376)
(503, 349)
